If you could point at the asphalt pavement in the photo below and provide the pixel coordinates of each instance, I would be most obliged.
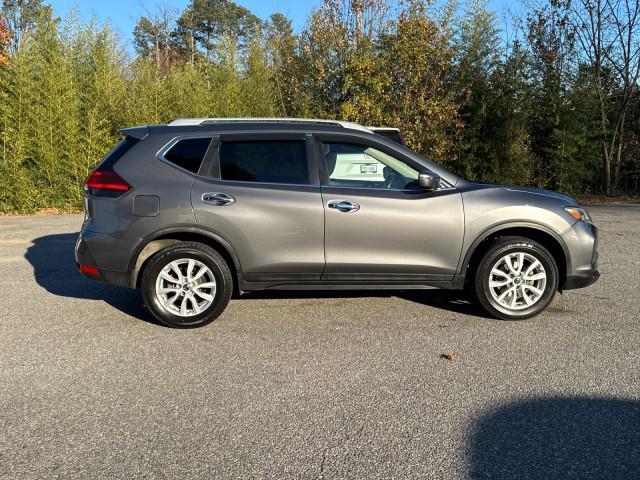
(314, 385)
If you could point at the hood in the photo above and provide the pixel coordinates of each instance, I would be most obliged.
(546, 193)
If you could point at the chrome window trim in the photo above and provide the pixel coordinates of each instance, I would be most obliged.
(244, 182)
(405, 190)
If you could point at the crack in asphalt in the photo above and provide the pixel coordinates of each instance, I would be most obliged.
(340, 443)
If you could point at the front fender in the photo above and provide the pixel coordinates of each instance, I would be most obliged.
(491, 210)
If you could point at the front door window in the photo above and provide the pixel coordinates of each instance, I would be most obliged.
(353, 165)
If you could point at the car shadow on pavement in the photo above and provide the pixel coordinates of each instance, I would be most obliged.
(558, 437)
(52, 258)
(450, 300)
(54, 268)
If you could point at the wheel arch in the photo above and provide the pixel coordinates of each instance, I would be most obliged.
(163, 238)
(539, 233)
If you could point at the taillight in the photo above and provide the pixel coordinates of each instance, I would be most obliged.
(106, 180)
(87, 270)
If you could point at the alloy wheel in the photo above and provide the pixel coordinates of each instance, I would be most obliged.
(185, 287)
(517, 281)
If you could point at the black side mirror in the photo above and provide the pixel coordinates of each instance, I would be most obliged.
(428, 180)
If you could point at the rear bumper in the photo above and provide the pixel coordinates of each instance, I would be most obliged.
(581, 280)
(87, 245)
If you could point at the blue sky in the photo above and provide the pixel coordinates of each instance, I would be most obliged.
(123, 14)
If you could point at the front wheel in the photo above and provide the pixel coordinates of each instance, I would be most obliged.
(186, 285)
(516, 279)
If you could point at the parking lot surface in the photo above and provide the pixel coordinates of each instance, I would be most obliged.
(312, 385)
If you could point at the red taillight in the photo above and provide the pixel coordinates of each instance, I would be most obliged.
(108, 180)
(87, 270)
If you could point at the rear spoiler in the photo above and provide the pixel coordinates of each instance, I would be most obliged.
(135, 132)
(389, 132)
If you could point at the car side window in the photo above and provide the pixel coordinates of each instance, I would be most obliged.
(267, 161)
(354, 165)
(188, 153)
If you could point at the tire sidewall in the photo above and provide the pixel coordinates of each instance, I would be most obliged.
(500, 250)
(221, 297)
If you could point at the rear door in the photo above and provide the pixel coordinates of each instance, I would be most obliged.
(261, 194)
(379, 225)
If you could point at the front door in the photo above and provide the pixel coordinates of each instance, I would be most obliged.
(379, 225)
(262, 196)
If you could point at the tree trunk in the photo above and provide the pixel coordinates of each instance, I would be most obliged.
(616, 169)
(607, 168)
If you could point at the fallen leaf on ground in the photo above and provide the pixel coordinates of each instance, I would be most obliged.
(452, 357)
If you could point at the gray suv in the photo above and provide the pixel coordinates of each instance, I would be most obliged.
(196, 209)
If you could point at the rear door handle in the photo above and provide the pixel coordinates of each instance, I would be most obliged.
(219, 199)
(344, 206)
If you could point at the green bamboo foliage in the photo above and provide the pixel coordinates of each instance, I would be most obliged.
(192, 95)
(258, 92)
(56, 120)
(490, 106)
(17, 191)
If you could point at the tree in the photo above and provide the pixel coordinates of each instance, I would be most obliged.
(336, 53)
(17, 98)
(476, 61)
(608, 32)
(153, 38)
(204, 22)
(40, 122)
(508, 143)
(5, 40)
(418, 57)
(20, 17)
(258, 91)
(281, 45)
(551, 40)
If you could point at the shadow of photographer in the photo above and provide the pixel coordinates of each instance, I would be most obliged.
(558, 437)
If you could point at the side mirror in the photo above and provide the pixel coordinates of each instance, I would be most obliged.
(428, 180)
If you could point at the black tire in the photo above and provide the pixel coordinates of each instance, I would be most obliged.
(496, 251)
(187, 250)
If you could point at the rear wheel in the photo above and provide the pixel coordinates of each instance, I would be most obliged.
(186, 285)
(516, 279)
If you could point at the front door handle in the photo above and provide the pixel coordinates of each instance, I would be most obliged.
(218, 199)
(344, 206)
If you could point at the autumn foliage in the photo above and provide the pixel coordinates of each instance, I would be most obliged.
(5, 38)
(523, 103)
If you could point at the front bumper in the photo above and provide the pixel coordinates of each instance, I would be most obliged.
(582, 243)
(581, 280)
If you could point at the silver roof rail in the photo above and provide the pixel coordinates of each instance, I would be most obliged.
(202, 121)
(383, 129)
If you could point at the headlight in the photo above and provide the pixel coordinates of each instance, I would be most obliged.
(579, 214)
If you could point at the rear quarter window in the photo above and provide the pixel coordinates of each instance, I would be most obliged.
(188, 153)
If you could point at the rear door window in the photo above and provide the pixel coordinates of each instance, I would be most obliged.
(265, 161)
(188, 153)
